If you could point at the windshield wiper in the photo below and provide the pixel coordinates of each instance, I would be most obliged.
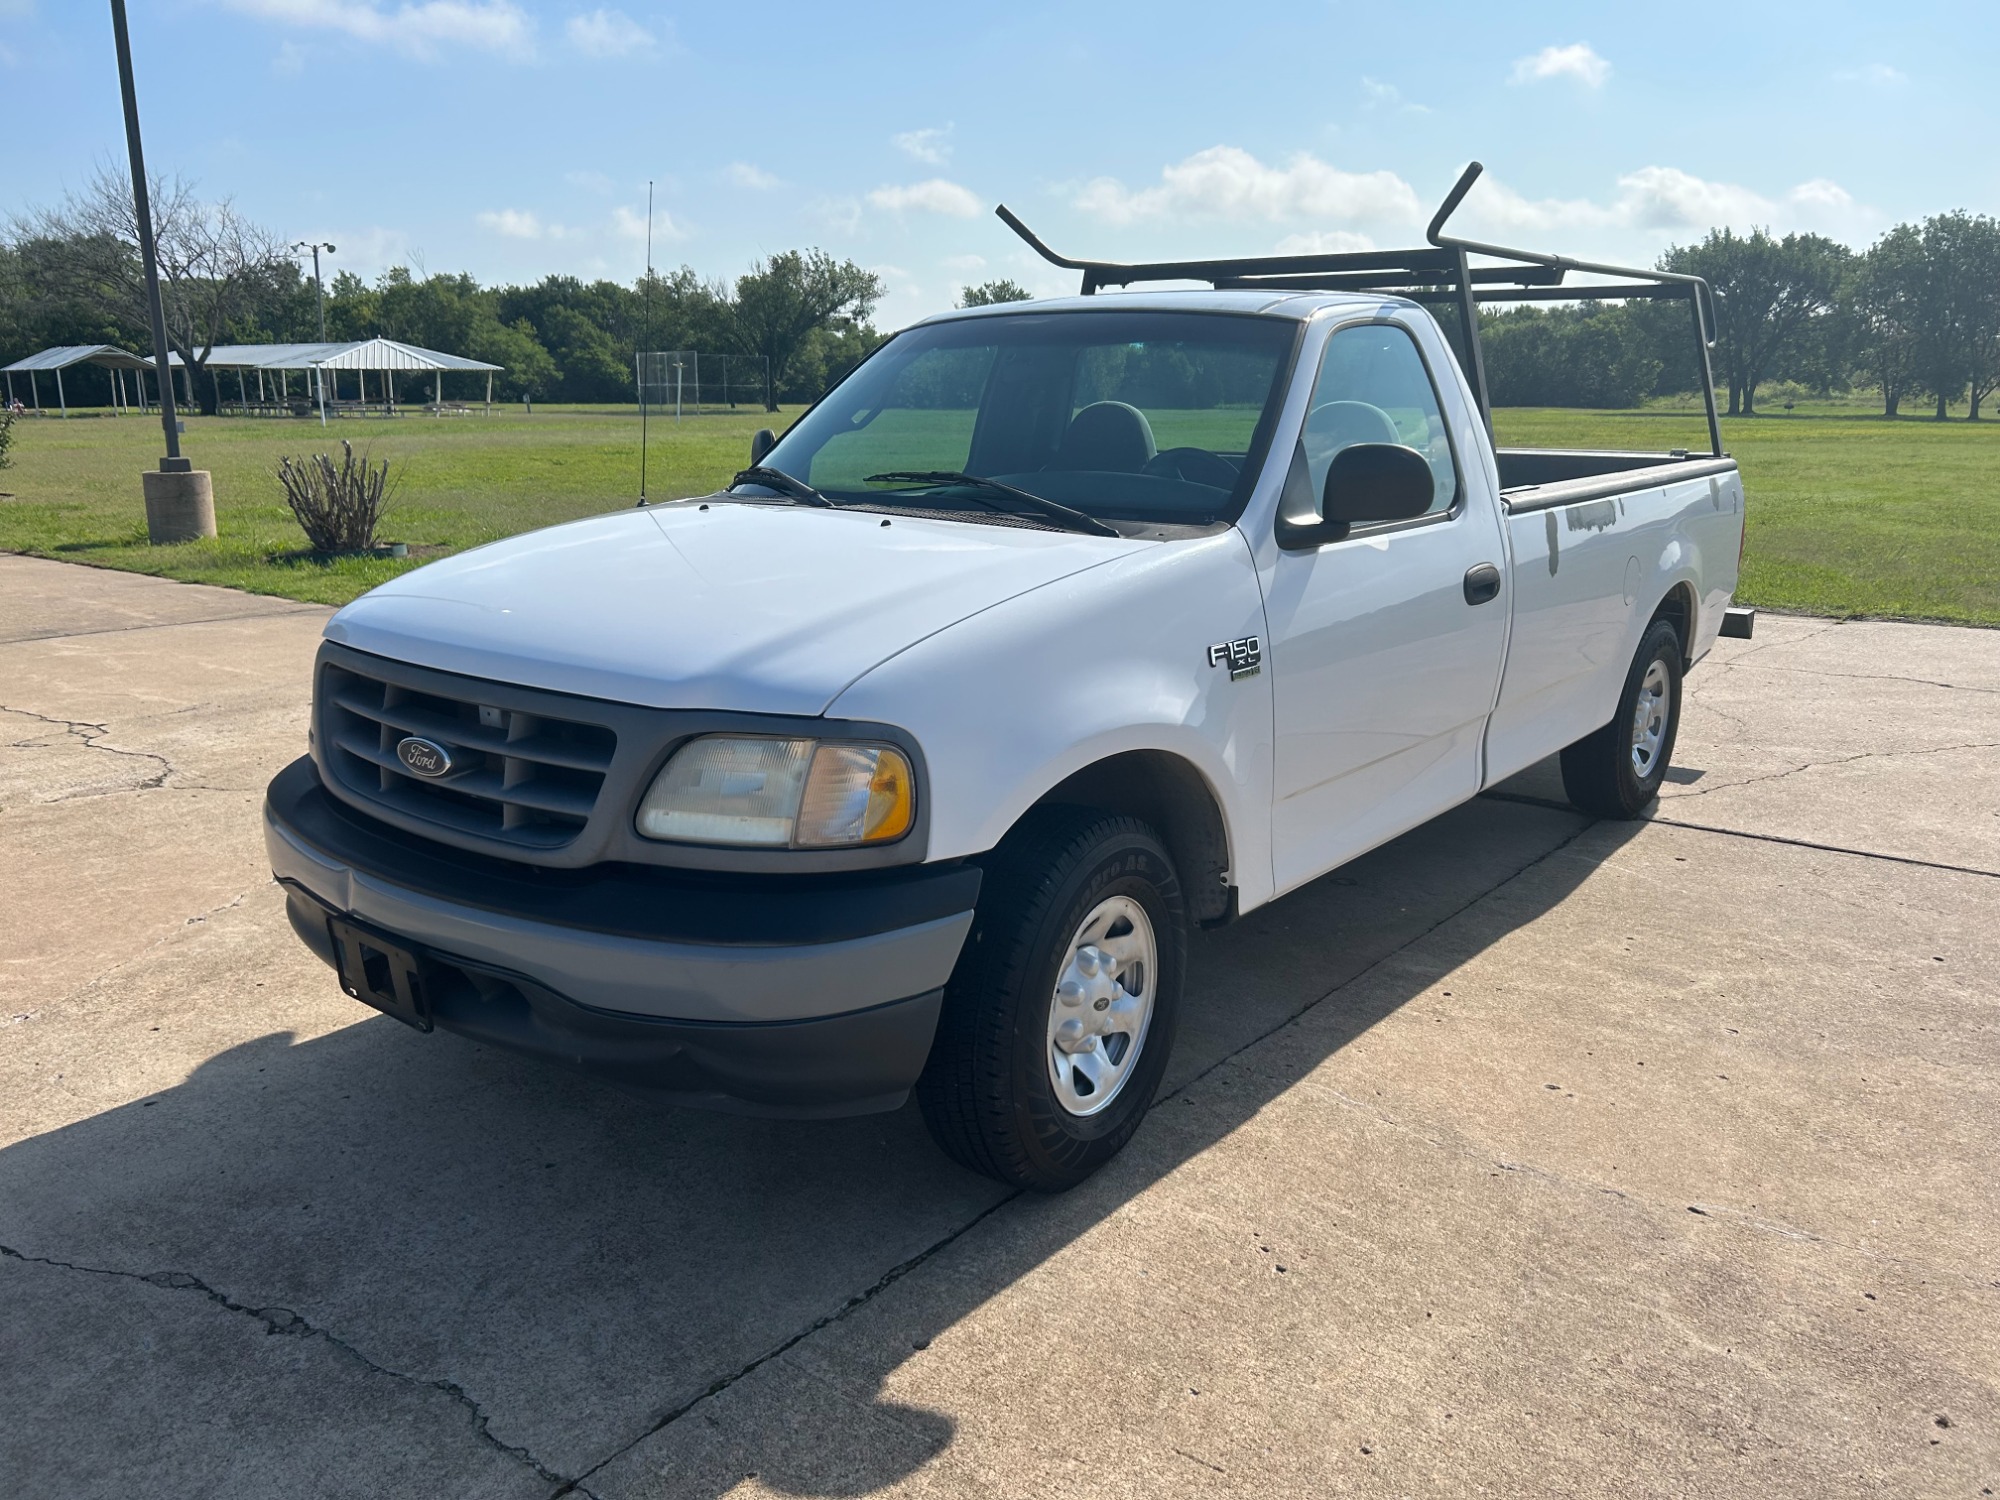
(1074, 520)
(784, 484)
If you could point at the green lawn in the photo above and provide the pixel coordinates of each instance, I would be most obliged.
(1849, 514)
(460, 481)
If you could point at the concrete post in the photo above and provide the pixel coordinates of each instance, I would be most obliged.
(180, 506)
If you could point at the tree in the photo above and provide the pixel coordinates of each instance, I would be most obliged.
(1767, 293)
(1594, 355)
(1885, 299)
(214, 264)
(782, 301)
(987, 293)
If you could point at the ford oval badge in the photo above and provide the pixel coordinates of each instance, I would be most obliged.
(424, 757)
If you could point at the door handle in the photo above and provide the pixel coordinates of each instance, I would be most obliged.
(1481, 583)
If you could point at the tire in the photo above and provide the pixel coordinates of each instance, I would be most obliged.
(1616, 772)
(1002, 1093)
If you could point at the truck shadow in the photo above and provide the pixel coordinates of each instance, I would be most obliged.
(587, 1267)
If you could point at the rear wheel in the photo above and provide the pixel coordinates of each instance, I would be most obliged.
(1616, 772)
(1057, 1024)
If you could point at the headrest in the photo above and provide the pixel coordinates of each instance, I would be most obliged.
(1108, 436)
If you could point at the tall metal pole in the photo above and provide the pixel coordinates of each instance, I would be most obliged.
(319, 283)
(142, 207)
(646, 337)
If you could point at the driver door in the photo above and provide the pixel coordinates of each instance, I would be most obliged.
(1384, 671)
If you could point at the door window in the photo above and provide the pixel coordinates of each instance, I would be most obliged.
(1373, 388)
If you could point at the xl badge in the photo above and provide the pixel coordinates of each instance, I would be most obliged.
(424, 757)
(1243, 657)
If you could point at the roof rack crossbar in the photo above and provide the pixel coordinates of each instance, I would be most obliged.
(1437, 273)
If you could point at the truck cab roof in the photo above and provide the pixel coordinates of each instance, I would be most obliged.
(1297, 306)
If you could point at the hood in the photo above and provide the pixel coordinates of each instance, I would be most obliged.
(757, 608)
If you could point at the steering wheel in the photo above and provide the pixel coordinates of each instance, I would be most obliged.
(1192, 466)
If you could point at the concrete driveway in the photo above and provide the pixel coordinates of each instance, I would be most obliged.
(1525, 1156)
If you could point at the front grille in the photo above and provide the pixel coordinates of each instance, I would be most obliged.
(527, 779)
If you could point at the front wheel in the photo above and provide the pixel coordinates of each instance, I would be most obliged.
(1058, 1021)
(1617, 771)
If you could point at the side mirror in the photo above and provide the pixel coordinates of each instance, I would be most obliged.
(1377, 482)
(762, 441)
(1366, 482)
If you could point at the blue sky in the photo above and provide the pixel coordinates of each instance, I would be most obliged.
(512, 138)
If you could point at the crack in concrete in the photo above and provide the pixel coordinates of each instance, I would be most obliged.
(1722, 1213)
(1778, 838)
(1762, 838)
(1953, 687)
(722, 1383)
(70, 635)
(282, 1321)
(1736, 656)
(1820, 765)
(91, 734)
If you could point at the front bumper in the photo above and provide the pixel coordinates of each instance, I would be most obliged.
(794, 995)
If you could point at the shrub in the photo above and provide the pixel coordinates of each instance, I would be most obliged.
(338, 505)
(6, 435)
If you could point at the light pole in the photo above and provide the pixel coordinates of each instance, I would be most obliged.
(319, 285)
(180, 503)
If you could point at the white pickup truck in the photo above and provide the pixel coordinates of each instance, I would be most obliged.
(1054, 631)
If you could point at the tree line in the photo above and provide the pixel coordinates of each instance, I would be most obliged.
(1915, 317)
(72, 275)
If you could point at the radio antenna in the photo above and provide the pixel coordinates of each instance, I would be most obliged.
(645, 339)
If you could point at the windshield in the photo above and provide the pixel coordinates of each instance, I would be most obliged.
(1139, 416)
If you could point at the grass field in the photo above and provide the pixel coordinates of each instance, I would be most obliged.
(460, 481)
(1849, 514)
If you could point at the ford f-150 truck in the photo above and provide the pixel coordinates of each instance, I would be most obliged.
(1055, 630)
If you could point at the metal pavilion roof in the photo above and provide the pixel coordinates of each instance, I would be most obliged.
(353, 354)
(64, 355)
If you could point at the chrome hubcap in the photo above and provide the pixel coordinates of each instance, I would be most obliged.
(1649, 720)
(1102, 1005)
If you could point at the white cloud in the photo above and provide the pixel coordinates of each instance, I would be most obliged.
(1656, 198)
(1228, 182)
(1376, 94)
(610, 33)
(1324, 242)
(932, 145)
(1579, 60)
(630, 224)
(291, 59)
(935, 196)
(418, 29)
(744, 175)
(842, 215)
(1821, 193)
(514, 224)
(1876, 75)
(366, 252)
(964, 264)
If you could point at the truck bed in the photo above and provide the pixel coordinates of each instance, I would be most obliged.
(1536, 478)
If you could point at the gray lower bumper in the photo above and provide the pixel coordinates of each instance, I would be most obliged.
(635, 976)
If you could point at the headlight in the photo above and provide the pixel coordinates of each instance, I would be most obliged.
(801, 794)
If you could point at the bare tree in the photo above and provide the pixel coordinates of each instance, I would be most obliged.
(214, 264)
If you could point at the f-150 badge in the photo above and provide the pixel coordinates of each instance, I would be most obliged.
(1244, 657)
